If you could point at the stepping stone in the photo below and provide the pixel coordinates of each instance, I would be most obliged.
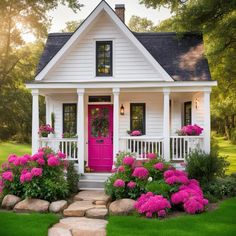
(59, 230)
(96, 213)
(81, 226)
(32, 205)
(94, 196)
(122, 207)
(79, 208)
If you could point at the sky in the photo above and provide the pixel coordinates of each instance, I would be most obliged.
(132, 7)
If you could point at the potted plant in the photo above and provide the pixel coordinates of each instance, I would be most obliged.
(190, 130)
(134, 133)
(45, 130)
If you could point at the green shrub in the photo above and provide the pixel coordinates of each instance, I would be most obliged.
(72, 177)
(206, 167)
(160, 188)
(221, 187)
(120, 156)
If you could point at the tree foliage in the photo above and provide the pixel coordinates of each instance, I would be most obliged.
(139, 24)
(216, 19)
(71, 26)
(18, 59)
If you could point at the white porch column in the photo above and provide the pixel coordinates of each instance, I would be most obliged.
(207, 121)
(116, 114)
(166, 123)
(80, 128)
(35, 120)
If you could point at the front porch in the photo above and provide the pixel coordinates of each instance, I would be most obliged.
(163, 116)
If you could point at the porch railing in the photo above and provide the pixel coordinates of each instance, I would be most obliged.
(181, 146)
(65, 145)
(141, 145)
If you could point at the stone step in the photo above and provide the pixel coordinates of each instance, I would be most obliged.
(78, 226)
(96, 176)
(91, 184)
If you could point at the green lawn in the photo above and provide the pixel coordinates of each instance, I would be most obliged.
(221, 222)
(7, 148)
(15, 224)
(228, 149)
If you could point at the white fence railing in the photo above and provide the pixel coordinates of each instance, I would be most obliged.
(141, 145)
(65, 145)
(181, 146)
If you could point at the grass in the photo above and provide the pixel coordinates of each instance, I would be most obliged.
(7, 148)
(15, 224)
(228, 149)
(220, 222)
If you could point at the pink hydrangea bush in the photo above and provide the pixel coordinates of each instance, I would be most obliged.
(190, 130)
(152, 205)
(128, 160)
(45, 169)
(140, 173)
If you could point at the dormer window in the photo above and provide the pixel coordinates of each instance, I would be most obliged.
(104, 58)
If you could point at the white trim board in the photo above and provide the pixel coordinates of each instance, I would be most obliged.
(102, 6)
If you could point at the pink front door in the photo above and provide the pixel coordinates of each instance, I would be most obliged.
(100, 137)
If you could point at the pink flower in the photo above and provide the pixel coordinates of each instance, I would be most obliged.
(40, 161)
(37, 171)
(1, 185)
(12, 158)
(114, 170)
(119, 183)
(61, 155)
(151, 156)
(23, 160)
(205, 202)
(140, 172)
(128, 160)
(131, 184)
(53, 161)
(7, 175)
(161, 213)
(27, 177)
(121, 169)
(159, 166)
(135, 133)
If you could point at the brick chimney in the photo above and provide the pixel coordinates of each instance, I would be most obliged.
(120, 11)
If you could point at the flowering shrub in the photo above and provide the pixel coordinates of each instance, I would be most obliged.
(190, 130)
(44, 130)
(152, 205)
(155, 184)
(38, 176)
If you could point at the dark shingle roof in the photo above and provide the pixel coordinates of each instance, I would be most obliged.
(181, 56)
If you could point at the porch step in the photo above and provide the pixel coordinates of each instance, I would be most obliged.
(93, 181)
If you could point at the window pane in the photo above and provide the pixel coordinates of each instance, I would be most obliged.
(104, 58)
(69, 118)
(187, 113)
(137, 117)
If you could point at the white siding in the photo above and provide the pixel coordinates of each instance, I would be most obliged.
(198, 113)
(176, 116)
(154, 112)
(79, 63)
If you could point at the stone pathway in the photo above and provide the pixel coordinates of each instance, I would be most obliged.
(85, 216)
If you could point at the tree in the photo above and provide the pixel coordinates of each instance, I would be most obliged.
(71, 26)
(138, 24)
(18, 60)
(216, 19)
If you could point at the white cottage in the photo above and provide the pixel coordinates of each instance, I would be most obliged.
(103, 80)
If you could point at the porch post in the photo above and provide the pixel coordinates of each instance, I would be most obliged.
(35, 120)
(80, 128)
(166, 123)
(116, 114)
(207, 121)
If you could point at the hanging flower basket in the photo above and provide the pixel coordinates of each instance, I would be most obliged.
(45, 130)
(190, 130)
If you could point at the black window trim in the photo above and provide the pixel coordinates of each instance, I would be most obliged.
(185, 105)
(111, 59)
(144, 115)
(63, 114)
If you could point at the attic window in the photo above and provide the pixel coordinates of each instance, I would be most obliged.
(104, 58)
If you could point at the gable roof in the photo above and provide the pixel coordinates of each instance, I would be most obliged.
(76, 36)
(181, 57)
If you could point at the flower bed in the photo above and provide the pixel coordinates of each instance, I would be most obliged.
(156, 185)
(41, 175)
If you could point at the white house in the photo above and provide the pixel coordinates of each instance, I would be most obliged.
(104, 79)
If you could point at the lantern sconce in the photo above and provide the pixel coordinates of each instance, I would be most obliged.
(196, 103)
(122, 110)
